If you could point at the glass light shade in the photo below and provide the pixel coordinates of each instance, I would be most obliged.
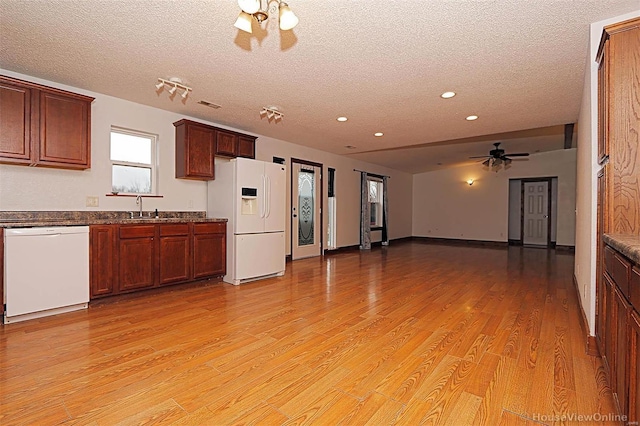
(249, 6)
(288, 19)
(243, 22)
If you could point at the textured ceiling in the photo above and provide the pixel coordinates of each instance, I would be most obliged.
(517, 64)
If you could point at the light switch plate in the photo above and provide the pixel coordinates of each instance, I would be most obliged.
(92, 201)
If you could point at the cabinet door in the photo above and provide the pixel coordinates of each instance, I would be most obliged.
(195, 144)
(1, 271)
(102, 256)
(174, 253)
(634, 368)
(226, 143)
(610, 334)
(603, 89)
(137, 257)
(64, 131)
(621, 350)
(15, 122)
(246, 147)
(209, 250)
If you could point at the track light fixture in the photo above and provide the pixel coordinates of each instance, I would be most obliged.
(255, 9)
(272, 113)
(174, 84)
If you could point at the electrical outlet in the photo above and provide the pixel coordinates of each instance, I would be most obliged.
(92, 201)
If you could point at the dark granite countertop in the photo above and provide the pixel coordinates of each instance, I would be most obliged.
(80, 218)
(628, 245)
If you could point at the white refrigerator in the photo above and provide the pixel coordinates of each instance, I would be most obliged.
(251, 195)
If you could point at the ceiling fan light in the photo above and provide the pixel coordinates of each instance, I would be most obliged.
(249, 6)
(288, 19)
(486, 162)
(243, 22)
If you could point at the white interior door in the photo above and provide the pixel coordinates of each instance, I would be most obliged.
(305, 211)
(536, 213)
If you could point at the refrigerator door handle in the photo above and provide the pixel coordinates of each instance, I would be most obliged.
(268, 197)
(262, 204)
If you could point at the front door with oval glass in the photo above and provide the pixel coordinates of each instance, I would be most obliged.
(305, 211)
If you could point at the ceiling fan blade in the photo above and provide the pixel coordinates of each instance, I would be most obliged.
(520, 154)
(481, 156)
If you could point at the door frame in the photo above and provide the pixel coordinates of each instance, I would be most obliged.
(549, 200)
(321, 233)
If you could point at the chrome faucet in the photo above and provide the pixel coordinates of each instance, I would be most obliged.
(139, 202)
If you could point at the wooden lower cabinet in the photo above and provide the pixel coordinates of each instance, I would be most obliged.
(618, 330)
(1, 271)
(174, 254)
(621, 321)
(209, 250)
(136, 257)
(127, 258)
(102, 256)
(634, 367)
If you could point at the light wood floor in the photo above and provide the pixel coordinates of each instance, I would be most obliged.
(412, 334)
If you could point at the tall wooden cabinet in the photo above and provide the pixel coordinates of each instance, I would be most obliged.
(43, 126)
(618, 208)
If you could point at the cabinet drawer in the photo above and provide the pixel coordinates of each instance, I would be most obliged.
(174, 229)
(618, 268)
(210, 228)
(137, 231)
(634, 288)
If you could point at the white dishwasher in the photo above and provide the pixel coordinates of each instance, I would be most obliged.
(46, 271)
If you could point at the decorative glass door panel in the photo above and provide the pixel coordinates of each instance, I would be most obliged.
(305, 211)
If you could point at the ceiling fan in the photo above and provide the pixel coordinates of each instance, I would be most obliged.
(497, 157)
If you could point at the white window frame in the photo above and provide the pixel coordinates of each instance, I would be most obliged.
(154, 155)
(378, 202)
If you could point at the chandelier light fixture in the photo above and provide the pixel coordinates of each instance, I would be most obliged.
(254, 9)
(272, 113)
(174, 84)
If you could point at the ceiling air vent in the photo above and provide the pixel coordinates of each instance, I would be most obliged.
(210, 104)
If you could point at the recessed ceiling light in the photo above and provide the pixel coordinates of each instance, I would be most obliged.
(378, 134)
(341, 118)
(471, 118)
(447, 95)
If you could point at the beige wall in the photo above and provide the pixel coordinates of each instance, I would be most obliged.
(347, 188)
(27, 188)
(445, 206)
(586, 181)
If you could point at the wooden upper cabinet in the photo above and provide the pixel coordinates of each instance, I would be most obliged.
(64, 131)
(195, 145)
(226, 143)
(198, 144)
(15, 122)
(247, 146)
(619, 124)
(231, 144)
(603, 87)
(43, 126)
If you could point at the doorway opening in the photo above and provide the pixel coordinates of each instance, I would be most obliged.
(533, 211)
(306, 209)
